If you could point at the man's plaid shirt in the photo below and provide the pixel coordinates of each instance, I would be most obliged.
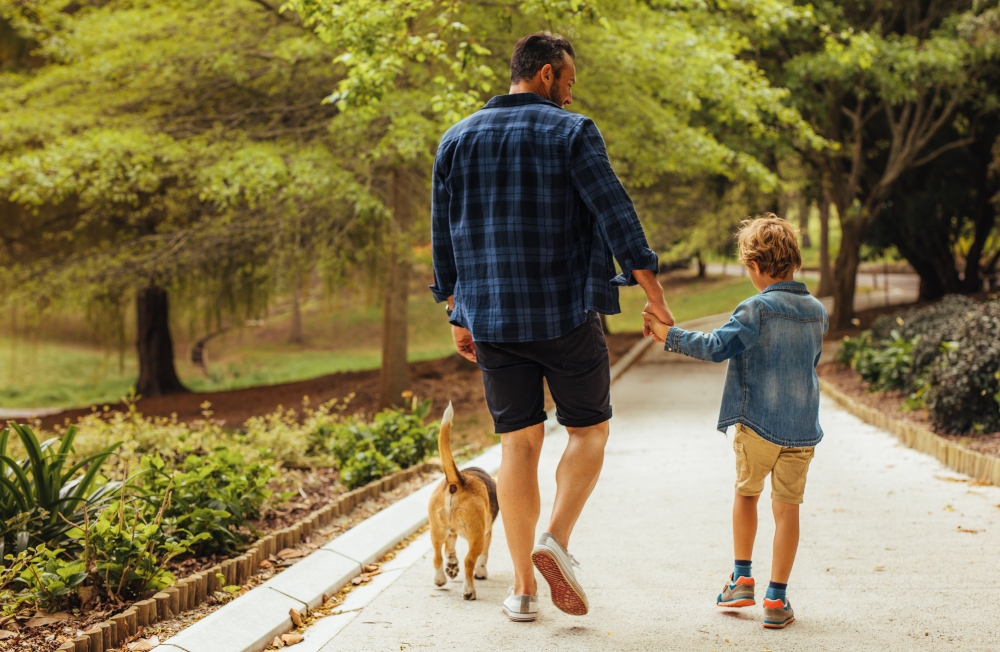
(526, 215)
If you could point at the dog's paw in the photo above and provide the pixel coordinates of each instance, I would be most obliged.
(480, 573)
(469, 592)
(439, 577)
(452, 569)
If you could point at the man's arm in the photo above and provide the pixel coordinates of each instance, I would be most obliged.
(442, 252)
(463, 338)
(656, 304)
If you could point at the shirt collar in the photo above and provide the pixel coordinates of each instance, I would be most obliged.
(517, 99)
(787, 286)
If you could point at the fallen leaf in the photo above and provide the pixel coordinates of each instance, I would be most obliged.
(312, 546)
(144, 644)
(949, 479)
(41, 618)
(267, 563)
(290, 553)
(277, 642)
(85, 593)
(968, 530)
(880, 568)
(6, 633)
(371, 568)
(296, 617)
(359, 579)
(291, 638)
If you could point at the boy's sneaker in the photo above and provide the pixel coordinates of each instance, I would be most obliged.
(521, 608)
(777, 613)
(737, 594)
(556, 566)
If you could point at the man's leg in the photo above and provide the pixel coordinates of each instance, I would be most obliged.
(576, 477)
(517, 493)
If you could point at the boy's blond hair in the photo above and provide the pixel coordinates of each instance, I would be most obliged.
(772, 243)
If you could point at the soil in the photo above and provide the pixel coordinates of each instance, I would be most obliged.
(446, 379)
(848, 381)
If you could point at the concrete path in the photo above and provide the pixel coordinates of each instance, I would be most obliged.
(897, 553)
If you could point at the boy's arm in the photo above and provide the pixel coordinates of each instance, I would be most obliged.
(736, 336)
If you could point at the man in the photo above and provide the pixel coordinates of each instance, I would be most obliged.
(526, 216)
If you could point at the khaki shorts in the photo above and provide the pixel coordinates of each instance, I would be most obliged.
(756, 458)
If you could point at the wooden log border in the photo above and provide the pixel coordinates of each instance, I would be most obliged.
(957, 458)
(193, 590)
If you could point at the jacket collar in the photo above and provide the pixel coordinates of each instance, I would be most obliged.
(787, 286)
(517, 99)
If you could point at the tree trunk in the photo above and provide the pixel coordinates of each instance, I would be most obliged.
(845, 275)
(157, 375)
(295, 330)
(804, 205)
(395, 377)
(701, 265)
(825, 276)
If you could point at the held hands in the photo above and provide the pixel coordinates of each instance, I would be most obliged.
(656, 314)
(463, 342)
(657, 329)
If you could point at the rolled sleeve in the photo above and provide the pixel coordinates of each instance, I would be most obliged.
(734, 337)
(608, 201)
(442, 252)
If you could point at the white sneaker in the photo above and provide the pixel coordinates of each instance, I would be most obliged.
(556, 566)
(521, 608)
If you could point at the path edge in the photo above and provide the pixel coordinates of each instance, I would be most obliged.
(959, 459)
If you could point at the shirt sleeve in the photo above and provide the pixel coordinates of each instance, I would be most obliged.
(607, 200)
(445, 271)
(734, 337)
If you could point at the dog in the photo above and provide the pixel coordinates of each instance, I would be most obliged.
(464, 504)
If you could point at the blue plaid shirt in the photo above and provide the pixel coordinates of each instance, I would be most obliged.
(526, 215)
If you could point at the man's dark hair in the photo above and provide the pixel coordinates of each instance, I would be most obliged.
(534, 51)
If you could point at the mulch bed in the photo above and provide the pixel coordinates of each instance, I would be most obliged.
(848, 381)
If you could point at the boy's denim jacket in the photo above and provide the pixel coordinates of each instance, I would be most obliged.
(773, 342)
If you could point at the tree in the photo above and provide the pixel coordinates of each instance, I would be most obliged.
(912, 66)
(168, 149)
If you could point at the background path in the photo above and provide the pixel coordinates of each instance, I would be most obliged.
(897, 553)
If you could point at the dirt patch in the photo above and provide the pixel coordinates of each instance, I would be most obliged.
(446, 379)
(848, 381)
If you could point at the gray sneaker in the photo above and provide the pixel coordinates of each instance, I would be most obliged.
(521, 608)
(737, 594)
(556, 566)
(777, 613)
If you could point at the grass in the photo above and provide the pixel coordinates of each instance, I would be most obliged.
(339, 337)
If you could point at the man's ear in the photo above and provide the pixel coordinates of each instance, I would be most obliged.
(548, 75)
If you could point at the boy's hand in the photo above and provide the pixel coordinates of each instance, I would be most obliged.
(657, 328)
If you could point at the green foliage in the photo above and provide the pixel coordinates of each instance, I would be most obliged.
(44, 495)
(395, 439)
(885, 365)
(214, 497)
(50, 579)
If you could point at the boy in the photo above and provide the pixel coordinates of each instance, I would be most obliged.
(773, 342)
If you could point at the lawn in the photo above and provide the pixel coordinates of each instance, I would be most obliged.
(339, 337)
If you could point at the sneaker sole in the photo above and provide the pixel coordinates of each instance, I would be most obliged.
(768, 625)
(519, 618)
(745, 602)
(564, 596)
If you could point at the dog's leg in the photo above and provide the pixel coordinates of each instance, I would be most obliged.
(437, 540)
(449, 547)
(481, 573)
(476, 540)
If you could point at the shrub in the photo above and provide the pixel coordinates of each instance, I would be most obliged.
(39, 499)
(364, 464)
(886, 365)
(216, 495)
(963, 380)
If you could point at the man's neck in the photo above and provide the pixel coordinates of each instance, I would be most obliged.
(526, 86)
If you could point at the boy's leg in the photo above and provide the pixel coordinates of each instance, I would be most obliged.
(786, 540)
(744, 525)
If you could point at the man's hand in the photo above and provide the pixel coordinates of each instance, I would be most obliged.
(655, 326)
(463, 342)
(659, 310)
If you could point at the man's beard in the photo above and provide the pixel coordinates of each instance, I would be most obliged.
(555, 96)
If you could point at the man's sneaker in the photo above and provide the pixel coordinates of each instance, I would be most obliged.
(556, 566)
(777, 613)
(737, 594)
(521, 608)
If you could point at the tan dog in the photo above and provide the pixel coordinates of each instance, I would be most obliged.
(465, 503)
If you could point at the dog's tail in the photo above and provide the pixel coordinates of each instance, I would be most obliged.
(451, 473)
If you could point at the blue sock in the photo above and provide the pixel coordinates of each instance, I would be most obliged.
(776, 591)
(742, 569)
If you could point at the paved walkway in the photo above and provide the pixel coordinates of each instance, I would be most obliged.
(897, 553)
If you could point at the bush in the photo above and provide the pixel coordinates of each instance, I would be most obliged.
(886, 365)
(40, 500)
(216, 495)
(963, 380)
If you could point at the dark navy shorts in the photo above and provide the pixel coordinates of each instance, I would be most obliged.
(575, 366)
